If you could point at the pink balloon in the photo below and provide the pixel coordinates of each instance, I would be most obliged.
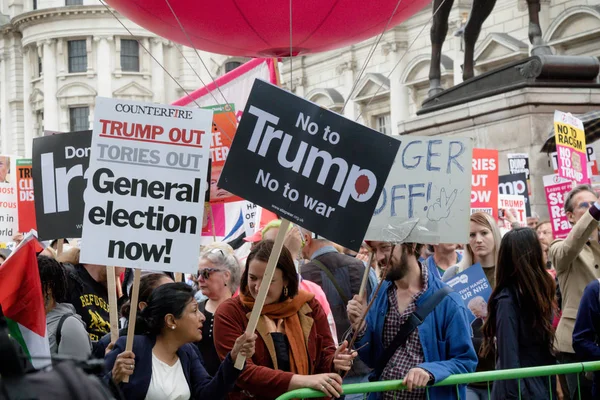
(261, 28)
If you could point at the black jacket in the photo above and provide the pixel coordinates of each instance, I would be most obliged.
(519, 346)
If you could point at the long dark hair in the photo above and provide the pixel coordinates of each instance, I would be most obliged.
(53, 277)
(171, 298)
(521, 269)
(261, 252)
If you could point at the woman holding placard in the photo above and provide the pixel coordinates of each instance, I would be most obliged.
(483, 246)
(295, 348)
(520, 310)
(164, 363)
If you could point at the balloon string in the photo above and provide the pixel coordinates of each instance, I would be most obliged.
(291, 50)
(401, 58)
(148, 51)
(369, 56)
(233, 123)
(162, 66)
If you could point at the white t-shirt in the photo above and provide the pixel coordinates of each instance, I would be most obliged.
(167, 382)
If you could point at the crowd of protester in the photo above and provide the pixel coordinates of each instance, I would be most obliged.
(544, 309)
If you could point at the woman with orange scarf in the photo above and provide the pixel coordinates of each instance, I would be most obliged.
(294, 348)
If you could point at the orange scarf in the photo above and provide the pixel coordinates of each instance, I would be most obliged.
(288, 311)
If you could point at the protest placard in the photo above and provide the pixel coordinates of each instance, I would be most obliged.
(474, 289)
(430, 183)
(249, 211)
(8, 198)
(592, 163)
(556, 189)
(300, 161)
(213, 220)
(484, 183)
(26, 205)
(515, 184)
(516, 205)
(144, 201)
(519, 163)
(223, 131)
(59, 166)
(570, 147)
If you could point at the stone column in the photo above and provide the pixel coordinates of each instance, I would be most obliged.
(27, 112)
(158, 74)
(346, 70)
(398, 90)
(50, 103)
(103, 57)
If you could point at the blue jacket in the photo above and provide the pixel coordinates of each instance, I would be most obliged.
(430, 262)
(444, 335)
(587, 329)
(201, 384)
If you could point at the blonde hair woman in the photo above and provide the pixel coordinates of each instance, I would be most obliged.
(483, 247)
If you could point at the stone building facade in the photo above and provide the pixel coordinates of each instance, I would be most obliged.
(56, 56)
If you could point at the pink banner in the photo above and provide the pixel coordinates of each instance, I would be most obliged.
(556, 190)
(216, 214)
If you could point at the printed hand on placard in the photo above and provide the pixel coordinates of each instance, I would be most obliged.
(440, 208)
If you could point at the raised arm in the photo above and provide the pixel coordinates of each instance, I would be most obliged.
(563, 252)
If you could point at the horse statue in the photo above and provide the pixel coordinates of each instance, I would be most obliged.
(480, 11)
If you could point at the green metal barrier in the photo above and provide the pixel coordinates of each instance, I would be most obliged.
(459, 379)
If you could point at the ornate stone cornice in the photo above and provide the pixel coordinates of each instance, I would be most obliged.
(47, 13)
(98, 38)
(345, 66)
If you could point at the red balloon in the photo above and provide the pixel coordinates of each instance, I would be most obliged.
(261, 28)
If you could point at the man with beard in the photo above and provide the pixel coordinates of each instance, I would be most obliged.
(415, 329)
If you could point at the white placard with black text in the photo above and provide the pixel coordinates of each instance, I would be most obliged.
(146, 186)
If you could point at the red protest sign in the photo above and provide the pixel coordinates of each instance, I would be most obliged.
(223, 130)
(26, 205)
(484, 182)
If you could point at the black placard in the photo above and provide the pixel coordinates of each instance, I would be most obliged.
(515, 184)
(59, 164)
(307, 164)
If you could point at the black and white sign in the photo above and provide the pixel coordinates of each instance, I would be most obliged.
(59, 164)
(308, 165)
(515, 184)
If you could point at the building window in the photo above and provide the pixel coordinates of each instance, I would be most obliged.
(231, 65)
(383, 124)
(79, 118)
(77, 56)
(130, 55)
(40, 67)
(35, 4)
(74, 2)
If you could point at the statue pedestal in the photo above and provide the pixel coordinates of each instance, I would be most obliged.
(515, 120)
(536, 71)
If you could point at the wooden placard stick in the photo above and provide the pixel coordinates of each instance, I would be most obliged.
(365, 278)
(112, 304)
(178, 277)
(135, 291)
(264, 286)
(362, 318)
(59, 247)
